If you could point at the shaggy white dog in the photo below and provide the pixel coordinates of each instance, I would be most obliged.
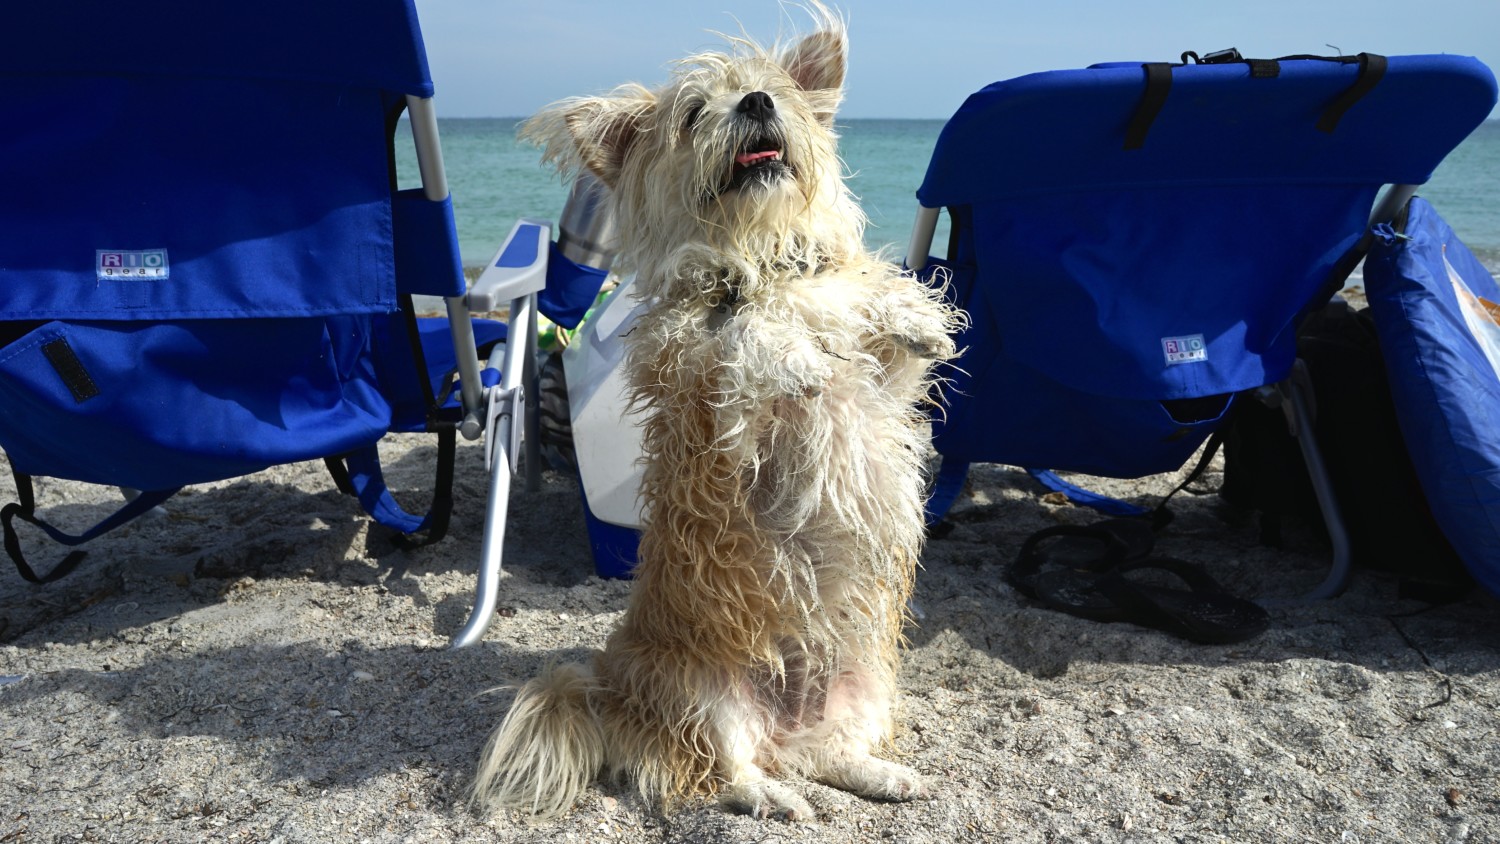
(782, 369)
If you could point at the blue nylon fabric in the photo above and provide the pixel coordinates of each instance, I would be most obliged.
(236, 158)
(1063, 130)
(370, 488)
(947, 485)
(1085, 287)
(182, 403)
(1087, 268)
(571, 289)
(132, 509)
(1003, 410)
(1446, 392)
(341, 43)
(1079, 495)
(428, 260)
(396, 366)
(259, 217)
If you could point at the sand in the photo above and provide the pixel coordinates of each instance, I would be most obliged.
(259, 664)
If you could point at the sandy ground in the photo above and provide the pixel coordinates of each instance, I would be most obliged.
(259, 664)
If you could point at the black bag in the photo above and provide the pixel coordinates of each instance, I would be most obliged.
(1390, 526)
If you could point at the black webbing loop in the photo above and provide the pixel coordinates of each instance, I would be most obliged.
(1264, 68)
(26, 510)
(339, 471)
(442, 494)
(1158, 84)
(1160, 516)
(13, 548)
(1371, 69)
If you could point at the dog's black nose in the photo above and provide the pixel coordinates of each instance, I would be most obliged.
(757, 105)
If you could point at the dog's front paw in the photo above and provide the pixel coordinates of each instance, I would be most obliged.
(876, 779)
(766, 799)
(804, 372)
(929, 346)
(920, 332)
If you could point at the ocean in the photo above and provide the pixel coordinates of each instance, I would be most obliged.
(495, 180)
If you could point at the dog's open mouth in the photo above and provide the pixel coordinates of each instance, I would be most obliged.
(762, 162)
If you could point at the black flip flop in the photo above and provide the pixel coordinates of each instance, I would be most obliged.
(1203, 612)
(1078, 549)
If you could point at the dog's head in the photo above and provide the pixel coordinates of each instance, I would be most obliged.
(736, 154)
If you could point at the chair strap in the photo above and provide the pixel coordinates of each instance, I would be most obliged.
(1371, 70)
(25, 509)
(1160, 516)
(1372, 67)
(359, 473)
(1158, 85)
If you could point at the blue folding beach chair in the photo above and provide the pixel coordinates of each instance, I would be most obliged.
(206, 268)
(1135, 244)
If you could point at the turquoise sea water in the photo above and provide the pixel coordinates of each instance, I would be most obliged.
(495, 179)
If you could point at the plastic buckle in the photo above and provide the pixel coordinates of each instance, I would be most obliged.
(1228, 56)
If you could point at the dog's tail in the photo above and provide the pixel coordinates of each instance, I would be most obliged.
(550, 746)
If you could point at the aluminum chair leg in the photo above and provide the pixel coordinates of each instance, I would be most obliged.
(1296, 392)
(509, 410)
(487, 590)
(531, 432)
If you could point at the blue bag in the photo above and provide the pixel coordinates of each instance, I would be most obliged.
(1436, 310)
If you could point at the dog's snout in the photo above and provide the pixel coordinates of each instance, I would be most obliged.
(757, 105)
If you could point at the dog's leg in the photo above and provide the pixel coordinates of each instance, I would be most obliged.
(747, 789)
(839, 751)
(766, 360)
(761, 797)
(912, 317)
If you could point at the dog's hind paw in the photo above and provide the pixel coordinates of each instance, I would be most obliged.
(876, 779)
(766, 799)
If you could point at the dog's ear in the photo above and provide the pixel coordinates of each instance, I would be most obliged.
(591, 132)
(817, 62)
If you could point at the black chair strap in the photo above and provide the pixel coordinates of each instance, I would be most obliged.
(1158, 85)
(1371, 70)
(25, 510)
(441, 511)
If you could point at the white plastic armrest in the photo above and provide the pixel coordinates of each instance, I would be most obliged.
(518, 269)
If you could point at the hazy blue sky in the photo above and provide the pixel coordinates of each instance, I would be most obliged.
(909, 58)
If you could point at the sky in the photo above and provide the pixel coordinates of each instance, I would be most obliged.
(908, 59)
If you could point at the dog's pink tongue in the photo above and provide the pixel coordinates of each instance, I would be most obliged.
(745, 159)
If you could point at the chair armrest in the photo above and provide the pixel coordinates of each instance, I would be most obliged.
(518, 269)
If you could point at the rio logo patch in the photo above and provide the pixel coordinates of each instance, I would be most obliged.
(116, 264)
(1190, 349)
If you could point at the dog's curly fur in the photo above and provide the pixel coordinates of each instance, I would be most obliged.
(781, 369)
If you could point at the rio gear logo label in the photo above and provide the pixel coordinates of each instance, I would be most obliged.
(117, 264)
(1190, 349)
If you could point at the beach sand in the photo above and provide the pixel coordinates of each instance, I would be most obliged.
(259, 664)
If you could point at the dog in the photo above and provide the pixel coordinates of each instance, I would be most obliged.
(781, 370)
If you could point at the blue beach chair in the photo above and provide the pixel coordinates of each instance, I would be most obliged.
(207, 269)
(1136, 243)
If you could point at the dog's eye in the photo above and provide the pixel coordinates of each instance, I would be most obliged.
(692, 117)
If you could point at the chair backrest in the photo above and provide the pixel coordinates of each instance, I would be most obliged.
(202, 233)
(1144, 233)
(183, 160)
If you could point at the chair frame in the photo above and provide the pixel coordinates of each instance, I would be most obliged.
(502, 413)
